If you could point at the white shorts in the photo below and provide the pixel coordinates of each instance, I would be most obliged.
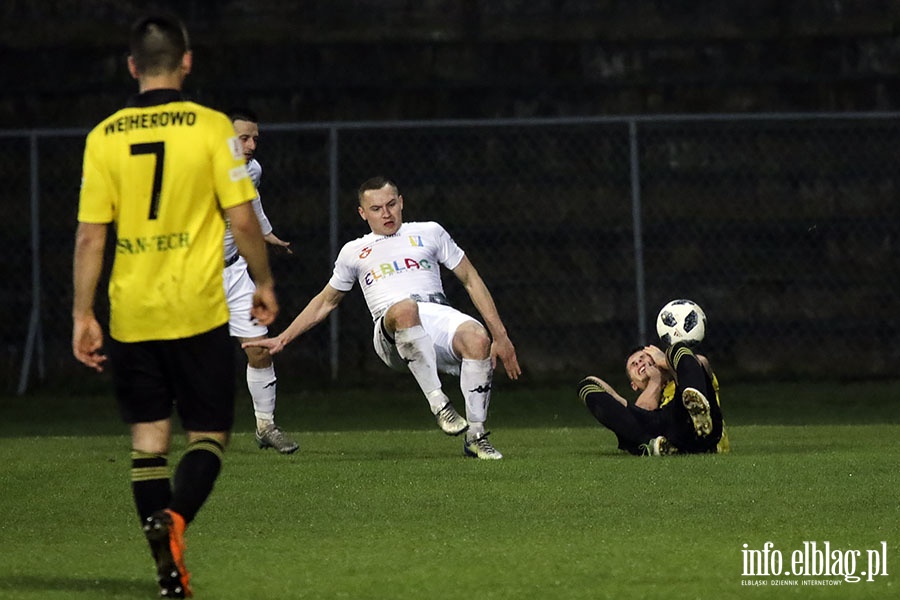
(239, 290)
(441, 323)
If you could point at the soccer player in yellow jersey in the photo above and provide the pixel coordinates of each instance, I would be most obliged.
(677, 410)
(163, 170)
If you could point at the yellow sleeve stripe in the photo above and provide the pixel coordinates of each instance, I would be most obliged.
(589, 389)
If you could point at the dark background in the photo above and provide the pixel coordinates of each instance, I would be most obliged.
(337, 60)
(784, 228)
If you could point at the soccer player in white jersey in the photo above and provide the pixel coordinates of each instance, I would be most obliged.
(239, 288)
(397, 266)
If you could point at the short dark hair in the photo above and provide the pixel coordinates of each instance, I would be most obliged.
(158, 42)
(374, 183)
(241, 113)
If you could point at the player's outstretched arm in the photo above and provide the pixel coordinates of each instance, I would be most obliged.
(274, 240)
(314, 313)
(266, 226)
(608, 389)
(87, 336)
(501, 347)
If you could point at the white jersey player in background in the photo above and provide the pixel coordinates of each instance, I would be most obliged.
(239, 288)
(397, 266)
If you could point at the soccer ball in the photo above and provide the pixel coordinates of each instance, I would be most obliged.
(681, 321)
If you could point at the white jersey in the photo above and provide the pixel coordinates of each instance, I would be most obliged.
(256, 177)
(391, 268)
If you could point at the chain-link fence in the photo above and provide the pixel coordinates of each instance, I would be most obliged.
(783, 227)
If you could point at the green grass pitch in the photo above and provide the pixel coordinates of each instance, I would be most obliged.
(378, 504)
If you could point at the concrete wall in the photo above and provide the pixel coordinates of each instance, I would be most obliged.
(315, 60)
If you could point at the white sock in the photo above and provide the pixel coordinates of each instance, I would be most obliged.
(261, 383)
(414, 345)
(436, 400)
(475, 430)
(475, 378)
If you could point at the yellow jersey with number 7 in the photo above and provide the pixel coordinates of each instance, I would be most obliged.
(163, 171)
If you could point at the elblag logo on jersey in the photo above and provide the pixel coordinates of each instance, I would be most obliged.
(395, 267)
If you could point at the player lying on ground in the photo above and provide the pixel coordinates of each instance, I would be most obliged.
(397, 266)
(673, 413)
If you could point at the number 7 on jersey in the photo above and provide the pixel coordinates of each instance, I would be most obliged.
(158, 149)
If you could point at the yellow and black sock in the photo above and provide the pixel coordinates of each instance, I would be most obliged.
(150, 482)
(195, 476)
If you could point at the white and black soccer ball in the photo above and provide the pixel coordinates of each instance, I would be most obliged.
(681, 320)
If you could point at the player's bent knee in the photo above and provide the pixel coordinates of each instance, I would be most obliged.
(259, 358)
(472, 341)
(402, 315)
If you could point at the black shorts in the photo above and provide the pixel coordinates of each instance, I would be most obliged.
(194, 375)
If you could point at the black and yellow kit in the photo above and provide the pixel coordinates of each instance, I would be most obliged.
(163, 170)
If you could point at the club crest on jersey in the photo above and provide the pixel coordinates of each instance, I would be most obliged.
(416, 241)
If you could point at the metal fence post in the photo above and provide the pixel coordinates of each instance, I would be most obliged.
(333, 232)
(635, 168)
(34, 338)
